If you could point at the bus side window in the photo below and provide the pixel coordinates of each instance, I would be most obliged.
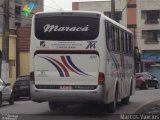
(108, 35)
(126, 42)
(118, 39)
(122, 41)
(113, 38)
(130, 43)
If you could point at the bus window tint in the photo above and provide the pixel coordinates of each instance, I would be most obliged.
(130, 43)
(66, 28)
(118, 39)
(113, 38)
(109, 35)
(122, 41)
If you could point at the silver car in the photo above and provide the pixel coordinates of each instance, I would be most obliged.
(5, 93)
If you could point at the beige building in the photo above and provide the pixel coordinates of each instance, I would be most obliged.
(148, 34)
(12, 56)
(18, 57)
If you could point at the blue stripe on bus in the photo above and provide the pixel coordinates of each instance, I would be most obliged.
(56, 66)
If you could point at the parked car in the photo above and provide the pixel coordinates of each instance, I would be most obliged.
(140, 82)
(150, 80)
(6, 93)
(21, 87)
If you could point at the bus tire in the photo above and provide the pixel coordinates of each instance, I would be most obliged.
(52, 106)
(11, 99)
(0, 99)
(57, 106)
(112, 106)
(125, 101)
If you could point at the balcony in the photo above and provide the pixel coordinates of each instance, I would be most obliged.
(151, 21)
(151, 36)
(150, 16)
(151, 42)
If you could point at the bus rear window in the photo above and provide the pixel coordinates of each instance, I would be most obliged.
(67, 28)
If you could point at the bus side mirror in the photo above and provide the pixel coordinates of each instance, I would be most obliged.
(137, 55)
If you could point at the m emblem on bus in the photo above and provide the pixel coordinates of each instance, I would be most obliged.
(91, 44)
(42, 43)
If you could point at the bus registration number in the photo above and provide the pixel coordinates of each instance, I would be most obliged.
(66, 87)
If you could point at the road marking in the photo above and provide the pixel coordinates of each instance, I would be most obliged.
(143, 105)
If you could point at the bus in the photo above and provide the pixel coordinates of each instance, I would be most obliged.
(80, 57)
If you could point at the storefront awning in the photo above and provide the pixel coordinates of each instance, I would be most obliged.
(151, 58)
(156, 65)
(148, 62)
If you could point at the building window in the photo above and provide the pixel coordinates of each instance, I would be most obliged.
(151, 36)
(151, 17)
(17, 24)
(18, 12)
(131, 5)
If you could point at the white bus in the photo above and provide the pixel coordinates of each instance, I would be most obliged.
(80, 57)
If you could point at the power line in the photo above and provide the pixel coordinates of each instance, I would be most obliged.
(126, 5)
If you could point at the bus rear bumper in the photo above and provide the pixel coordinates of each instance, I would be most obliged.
(73, 96)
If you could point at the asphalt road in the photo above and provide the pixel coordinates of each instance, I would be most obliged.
(40, 111)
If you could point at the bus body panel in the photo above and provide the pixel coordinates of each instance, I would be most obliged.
(73, 77)
(66, 69)
(68, 96)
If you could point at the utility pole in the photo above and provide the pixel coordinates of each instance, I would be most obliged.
(5, 43)
(113, 9)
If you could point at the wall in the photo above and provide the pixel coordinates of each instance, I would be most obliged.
(12, 57)
(146, 5)
(23, 37)
(24, 63)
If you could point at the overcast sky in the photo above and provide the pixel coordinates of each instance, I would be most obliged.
(50, 5)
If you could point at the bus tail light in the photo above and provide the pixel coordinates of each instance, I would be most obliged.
(32, 78)
(101, 78)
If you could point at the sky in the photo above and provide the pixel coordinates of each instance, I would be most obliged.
(56, 5)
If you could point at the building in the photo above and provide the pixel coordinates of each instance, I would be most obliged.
(18, 44)
(143, 18)
(12, 55)
(17, 18)
(148, 34)
(23, 41)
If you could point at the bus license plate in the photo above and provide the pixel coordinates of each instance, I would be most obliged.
(66, 87)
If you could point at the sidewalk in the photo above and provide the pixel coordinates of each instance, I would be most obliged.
(151, 108)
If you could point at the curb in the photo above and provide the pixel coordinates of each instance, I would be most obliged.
(144, 107)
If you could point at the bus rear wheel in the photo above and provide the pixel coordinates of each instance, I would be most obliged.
(51, 105)
(57, 106)
(125, 101)
(111, 107)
